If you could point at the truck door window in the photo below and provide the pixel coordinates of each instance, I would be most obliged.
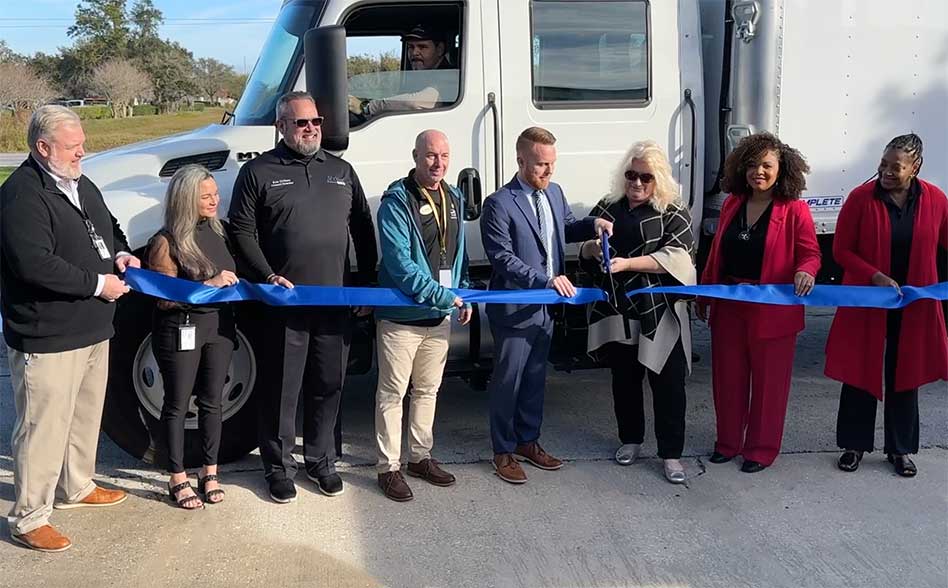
(403, 58)
(589, 53)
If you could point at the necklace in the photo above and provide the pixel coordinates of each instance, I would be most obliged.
(746, 231)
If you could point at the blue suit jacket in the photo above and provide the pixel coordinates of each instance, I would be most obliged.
(514, 247)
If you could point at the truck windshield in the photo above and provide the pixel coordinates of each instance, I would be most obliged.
(278, 63)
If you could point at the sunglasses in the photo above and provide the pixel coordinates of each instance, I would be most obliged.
(633, 175)
(302, 122)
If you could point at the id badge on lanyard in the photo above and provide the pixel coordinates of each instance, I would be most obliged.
(187, 335)
(98, 243)
(444, 273)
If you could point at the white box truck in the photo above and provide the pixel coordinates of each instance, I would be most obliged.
(834, 78)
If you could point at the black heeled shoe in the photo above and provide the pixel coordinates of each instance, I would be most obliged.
(752, 467)
(904, 466)
(718, 457)
(849, 460)
(192, 502)
(209, 495)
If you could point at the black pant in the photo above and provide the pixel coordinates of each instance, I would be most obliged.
(668, 397)
(201, 372)
(307, 356)
(856, 422)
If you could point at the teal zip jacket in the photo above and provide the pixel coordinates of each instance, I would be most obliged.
(404, 263)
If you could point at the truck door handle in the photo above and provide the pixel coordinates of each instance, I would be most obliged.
(492, 104)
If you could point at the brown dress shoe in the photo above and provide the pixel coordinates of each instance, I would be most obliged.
(508, 469)
(394, 486)
(97, 498)
(430, 471)
(44, 538)
(533, 453)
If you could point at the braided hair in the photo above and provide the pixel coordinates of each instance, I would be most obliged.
(911, 145)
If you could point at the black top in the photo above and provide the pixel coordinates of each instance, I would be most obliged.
(48, 266)
(214, 247)
(293, 216)
(902, 221)
(743, 246)
(626, 226)
(424, 215)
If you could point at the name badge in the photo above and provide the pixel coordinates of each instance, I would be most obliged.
(187, 334)
(103, 251)
(444, 278)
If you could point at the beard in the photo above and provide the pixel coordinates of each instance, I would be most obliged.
(305, 147)
(70, 171)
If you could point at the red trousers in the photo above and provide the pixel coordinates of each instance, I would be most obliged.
(751, 379)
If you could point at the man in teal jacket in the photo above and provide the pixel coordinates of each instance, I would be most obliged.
(421, 234)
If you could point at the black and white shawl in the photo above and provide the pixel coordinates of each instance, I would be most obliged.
(654, 322)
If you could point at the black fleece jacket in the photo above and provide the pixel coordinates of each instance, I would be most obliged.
(48, 266)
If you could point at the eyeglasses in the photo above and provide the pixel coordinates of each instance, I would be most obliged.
(302, 122)
(633, 175)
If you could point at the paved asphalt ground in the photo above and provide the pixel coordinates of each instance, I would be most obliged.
(12, 159)
(801, 522)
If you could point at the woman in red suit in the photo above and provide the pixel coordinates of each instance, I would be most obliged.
(765, 235)
(888, 235)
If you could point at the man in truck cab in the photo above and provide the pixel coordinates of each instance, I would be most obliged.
(426, 49)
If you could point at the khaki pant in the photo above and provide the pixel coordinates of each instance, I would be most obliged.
(416, 354)
(58, 399)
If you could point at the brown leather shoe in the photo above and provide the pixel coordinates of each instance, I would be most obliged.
(44, 538)
(394, 486)
(508, 469)
(97, 498)
(430, 471)
(533, 453)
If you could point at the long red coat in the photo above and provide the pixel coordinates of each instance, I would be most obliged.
(862, 246)
(790, 247)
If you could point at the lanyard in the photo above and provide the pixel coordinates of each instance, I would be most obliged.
(442, 222)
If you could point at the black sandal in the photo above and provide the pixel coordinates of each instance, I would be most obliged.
(210, 494)
(904, 466)
(183, 502)
(849, 460)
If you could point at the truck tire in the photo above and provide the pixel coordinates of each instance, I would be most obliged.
(135, 393)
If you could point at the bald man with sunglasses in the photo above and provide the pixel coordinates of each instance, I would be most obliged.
(293, 211)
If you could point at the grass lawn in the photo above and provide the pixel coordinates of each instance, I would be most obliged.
(5, 173)
(109, 133)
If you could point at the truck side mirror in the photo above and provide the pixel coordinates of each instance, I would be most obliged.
(324, 50)
(469, 182)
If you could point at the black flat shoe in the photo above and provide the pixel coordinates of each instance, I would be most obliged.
(718, 457)
(904, 466)
(849, 460)
(752, 467)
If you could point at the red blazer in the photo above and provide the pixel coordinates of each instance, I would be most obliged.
(854, 350)
(790, 247)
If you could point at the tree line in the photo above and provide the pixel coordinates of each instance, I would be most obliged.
(117, 54)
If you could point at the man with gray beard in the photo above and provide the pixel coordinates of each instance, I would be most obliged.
(293, 211)
(60, 250)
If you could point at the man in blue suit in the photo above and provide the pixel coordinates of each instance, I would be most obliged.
(525, 227)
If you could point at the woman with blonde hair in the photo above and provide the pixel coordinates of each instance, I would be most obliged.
(192, 344)
(649, 334)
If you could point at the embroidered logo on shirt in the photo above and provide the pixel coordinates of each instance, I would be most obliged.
(335, 180)
(454, 213)
(278, 183)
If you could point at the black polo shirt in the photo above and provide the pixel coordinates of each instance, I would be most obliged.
(902, 222)
(293, 216)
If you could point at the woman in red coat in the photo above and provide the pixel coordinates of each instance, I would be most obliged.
(765, 235)
(888, 235)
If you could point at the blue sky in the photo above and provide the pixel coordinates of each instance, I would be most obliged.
(29, 26)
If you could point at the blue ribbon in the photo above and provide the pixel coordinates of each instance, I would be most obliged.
(178, 290)
(821, 295)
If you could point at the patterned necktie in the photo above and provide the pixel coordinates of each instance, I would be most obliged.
(538, 198)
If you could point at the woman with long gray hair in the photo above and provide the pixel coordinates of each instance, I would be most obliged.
(192, 344)
(648, 334)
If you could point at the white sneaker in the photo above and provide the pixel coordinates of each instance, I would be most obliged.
(628, 453)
